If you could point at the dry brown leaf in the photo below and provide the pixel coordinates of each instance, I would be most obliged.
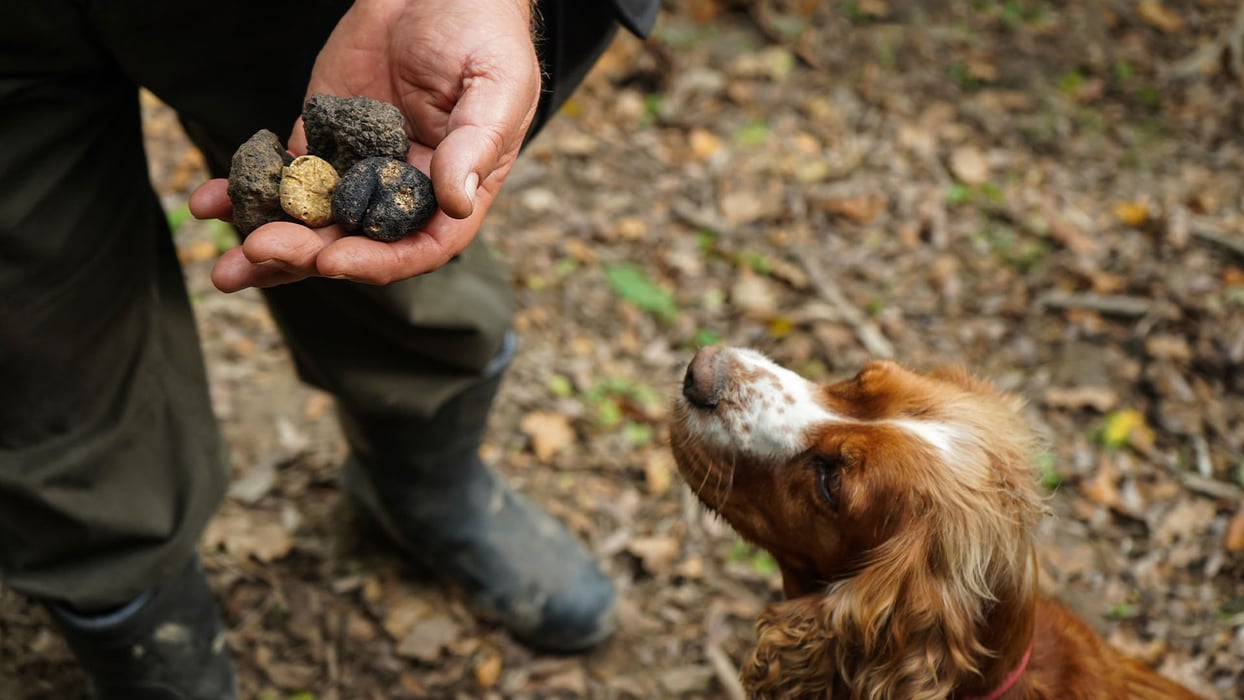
(658, 471)
(754, 295)
(704, 144)
(969, 165)
(256, 534)
(198, 251)
(550, 433)
(861, 208)
(1158, 16)
(631, 228)
(1103, 487)
(317, 404)
(1099, 398)
(656, 554)
(1234, 541)
(488, 669)
(1073, 238)
(428, 638)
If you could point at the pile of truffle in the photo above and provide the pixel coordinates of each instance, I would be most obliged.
(354, 174)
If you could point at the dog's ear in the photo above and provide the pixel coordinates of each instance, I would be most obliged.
(791, 658)
(905, 628)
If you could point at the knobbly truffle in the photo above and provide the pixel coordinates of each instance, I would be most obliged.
(307, 186)
(383, 198)
(345, 130)
(255, 181)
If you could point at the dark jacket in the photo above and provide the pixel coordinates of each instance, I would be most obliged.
(638, 15)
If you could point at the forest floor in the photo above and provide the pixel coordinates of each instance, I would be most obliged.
(1048, 193)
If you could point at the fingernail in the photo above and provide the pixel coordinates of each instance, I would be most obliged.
(472, 184)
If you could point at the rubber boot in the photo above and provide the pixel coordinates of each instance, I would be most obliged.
(426, 486)
(166, 644)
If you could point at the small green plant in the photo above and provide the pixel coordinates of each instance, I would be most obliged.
(560, 386)
(633, 284)
(753, 134)
(177, 217)
(1047, 475)
(984, 193)
(1122, 610)
(609, 398)
(706, 336)
(758, 559)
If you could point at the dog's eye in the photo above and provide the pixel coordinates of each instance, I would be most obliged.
(829, 478)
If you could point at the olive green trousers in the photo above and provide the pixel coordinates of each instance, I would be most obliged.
(111, 461)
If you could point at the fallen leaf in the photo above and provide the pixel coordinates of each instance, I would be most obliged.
(317, 404)
(658, 472)
(656, 554)
(255, 483)
(753, 295)
(255, 534)
(488, 669)
(1134, 214)
(704, 144)
(861, 208)
(550, 433)
(197, 251)
(631, 228)
(1073, 238)
(428, 638)
(1158, 16)
(1099, 398)
(1235, 533)
(1127, 427)
(969, 165)
(1103, 487)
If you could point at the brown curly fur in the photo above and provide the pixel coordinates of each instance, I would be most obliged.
(919, 580)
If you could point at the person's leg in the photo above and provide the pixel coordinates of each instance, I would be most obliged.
(110, 463)
(414, 366)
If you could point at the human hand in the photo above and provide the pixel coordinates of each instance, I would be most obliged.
(464, 73)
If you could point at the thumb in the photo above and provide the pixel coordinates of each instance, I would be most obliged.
(461, 163)
(485, 132)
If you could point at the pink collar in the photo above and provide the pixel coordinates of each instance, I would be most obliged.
(1011, 679)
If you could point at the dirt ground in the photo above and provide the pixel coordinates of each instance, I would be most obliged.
(1047, 192)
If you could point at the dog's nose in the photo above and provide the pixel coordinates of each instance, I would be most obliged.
(699, 386)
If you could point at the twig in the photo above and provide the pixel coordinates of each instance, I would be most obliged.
(869, 335)
(1230, 40)
(727, 675)
(1233, 243)
(1210, 487)
(1114, 304)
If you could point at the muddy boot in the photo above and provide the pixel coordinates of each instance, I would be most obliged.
(166, 644)
(426, 486)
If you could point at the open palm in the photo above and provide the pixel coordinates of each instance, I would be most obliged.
(466, 77)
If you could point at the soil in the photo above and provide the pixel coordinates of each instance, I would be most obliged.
(1048, 193)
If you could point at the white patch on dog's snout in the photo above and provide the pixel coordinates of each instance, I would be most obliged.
(764, 410)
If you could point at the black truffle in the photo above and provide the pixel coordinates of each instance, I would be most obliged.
(386, 199)
(255, 181)
(345, 130)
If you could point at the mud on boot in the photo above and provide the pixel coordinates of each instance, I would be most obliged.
(167, 644)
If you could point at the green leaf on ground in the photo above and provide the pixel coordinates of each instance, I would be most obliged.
(633, 285)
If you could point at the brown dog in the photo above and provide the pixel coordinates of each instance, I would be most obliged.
(900, 510)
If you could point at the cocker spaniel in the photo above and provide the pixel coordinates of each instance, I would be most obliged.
(900, 510)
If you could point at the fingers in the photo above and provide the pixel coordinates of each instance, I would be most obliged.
(211, 201)
(361, 259)
(273, 254)
(297, 139)
(456, 166)
(233, 272)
